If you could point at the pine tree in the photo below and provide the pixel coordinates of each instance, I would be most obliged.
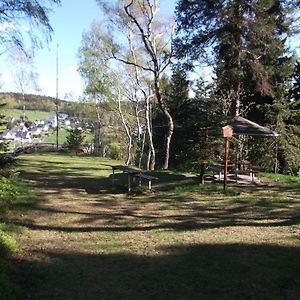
(295, 91)
(242, 38)
(75, 140)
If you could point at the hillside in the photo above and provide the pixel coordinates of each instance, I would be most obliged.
(37, 106)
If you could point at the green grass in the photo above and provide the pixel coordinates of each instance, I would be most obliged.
(88, 239)
(62, 137)
(282, 179)
(32, 115)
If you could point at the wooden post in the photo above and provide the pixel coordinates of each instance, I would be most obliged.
(227, 133)
(129, 182)
(226, 161)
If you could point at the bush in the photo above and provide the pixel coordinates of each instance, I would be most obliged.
(114, 151)
(8, 193)
(7, 246)
(7, 161)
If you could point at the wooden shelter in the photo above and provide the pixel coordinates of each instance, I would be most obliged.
(242, 126)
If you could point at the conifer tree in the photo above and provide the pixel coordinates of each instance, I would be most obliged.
(75, 140)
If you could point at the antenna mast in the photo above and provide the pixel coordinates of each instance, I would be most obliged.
(56, 100)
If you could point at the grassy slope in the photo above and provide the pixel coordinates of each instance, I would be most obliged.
(62, 137)
(32, 115)
(87, 240)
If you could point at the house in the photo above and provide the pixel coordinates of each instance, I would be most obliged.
(62, 116)
(8, 134)
(23, 137)
(35, 130)
(51, 121)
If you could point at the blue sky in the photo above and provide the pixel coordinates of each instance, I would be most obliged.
(68, 22)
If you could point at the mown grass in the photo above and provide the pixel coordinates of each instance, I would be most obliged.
(32, 115)
(88, 239)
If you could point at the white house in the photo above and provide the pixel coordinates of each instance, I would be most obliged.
(51, 121)
(62, 116)
(8, 134)
(35, 130)
(23, 137)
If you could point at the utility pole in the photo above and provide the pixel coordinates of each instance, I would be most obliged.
(56, 100)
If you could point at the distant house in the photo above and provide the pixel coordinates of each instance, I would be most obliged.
(8, 134)
(39, 122)
(35, 130)
(23, 137)
(51, 121)
(67, 123)
(22, 128)
(62, 116)
(45, 127)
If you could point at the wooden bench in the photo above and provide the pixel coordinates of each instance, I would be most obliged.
(149, 178)
(131, 174)
(254, 170)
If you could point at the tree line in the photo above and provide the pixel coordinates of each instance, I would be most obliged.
(133, 60)
(146, 76)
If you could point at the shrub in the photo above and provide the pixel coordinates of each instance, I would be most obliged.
(7, 246)
(8, 193)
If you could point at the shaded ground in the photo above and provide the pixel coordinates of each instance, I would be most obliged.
(86, 240)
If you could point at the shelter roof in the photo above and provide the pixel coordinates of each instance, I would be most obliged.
(242, 126)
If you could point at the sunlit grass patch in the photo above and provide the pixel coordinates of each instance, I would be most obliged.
(283, 179)
(208, 189)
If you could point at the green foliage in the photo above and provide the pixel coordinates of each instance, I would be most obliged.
(8, 246)
(32, 14)
(295, 91)
(197, 120)
(8, 193)
(253, 67)
(75, 140)
(115, 151)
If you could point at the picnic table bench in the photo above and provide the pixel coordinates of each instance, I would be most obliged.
(245, 168)
(133, 173)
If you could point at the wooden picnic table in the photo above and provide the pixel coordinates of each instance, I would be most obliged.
(133, 173)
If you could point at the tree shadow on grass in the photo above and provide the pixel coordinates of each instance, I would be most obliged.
(208, 271)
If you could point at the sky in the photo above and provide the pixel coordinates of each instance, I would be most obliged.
(68, 21)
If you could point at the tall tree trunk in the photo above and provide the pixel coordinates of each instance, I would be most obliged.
(151, 159)
(169, 118)
(129, 142)
(97, 132)
(238, 13)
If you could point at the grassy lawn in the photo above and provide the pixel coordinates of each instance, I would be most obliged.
(86, 239)
(62, 137)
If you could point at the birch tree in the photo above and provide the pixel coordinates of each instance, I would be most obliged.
(151, 38)
(103, 82)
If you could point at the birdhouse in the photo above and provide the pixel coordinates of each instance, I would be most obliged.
(227, 131)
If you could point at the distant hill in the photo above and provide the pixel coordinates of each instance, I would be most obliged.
(36, 103)
(31, 102)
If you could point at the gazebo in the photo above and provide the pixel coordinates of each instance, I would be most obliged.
(241, 126)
